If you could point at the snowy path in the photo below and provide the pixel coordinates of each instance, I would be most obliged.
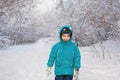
(28, 62)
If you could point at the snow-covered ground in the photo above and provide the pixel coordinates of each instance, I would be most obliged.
(28, 62)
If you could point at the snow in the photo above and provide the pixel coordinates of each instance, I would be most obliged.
(28, 62)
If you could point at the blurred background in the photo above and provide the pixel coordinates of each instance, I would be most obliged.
(27, 21)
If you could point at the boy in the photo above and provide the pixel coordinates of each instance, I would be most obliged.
(66, 56)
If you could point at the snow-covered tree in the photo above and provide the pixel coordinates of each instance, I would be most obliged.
(92, 20)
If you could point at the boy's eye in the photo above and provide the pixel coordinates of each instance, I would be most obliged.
(66, 35)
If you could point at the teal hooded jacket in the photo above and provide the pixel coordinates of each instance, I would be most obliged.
(65, 55)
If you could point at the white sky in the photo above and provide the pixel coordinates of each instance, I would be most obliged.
(43, 6)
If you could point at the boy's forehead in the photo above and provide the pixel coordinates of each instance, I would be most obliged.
(65, 34)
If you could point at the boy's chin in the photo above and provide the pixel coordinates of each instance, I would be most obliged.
(65, 40)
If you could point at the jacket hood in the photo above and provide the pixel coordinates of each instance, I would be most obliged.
(68, 27)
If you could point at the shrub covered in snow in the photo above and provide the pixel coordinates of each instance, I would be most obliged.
(4, 42)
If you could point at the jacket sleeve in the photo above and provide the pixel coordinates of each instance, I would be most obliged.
(77, 58)
(52, 56)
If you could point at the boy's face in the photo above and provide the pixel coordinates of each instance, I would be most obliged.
(65, 37)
